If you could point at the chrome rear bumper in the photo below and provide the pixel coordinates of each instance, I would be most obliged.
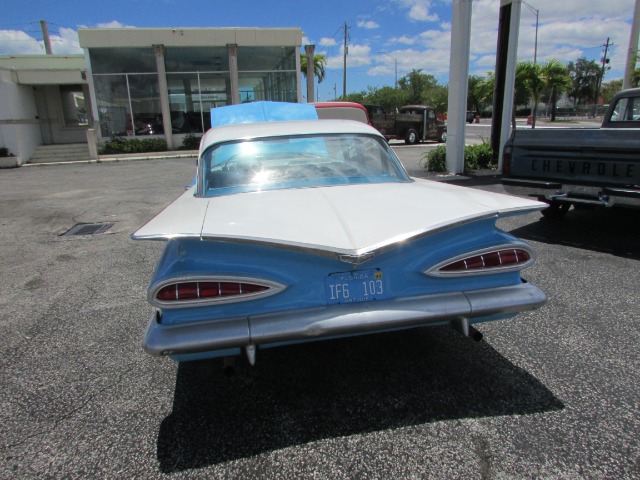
(337, 320)
(579, 194)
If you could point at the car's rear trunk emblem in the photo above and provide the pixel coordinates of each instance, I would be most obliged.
(357, 259)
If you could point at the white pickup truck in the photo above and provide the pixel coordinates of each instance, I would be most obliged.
(581, 166)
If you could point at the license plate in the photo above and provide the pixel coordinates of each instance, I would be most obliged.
(353, 287)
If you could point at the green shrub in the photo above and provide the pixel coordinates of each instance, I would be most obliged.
(436, 159)
(190, 142)
(478, 157)
(134, 145)
(475, 157)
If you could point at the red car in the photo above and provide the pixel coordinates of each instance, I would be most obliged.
(342, 111)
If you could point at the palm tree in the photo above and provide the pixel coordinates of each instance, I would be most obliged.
(536, 82)
(529, 83)
(319, 62)
(557, 81)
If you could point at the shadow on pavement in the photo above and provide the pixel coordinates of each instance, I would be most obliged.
(615, 231)
(305, 393)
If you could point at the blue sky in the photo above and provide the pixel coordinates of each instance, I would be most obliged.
(381, 33)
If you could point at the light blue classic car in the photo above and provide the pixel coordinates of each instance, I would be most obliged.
(298, 229)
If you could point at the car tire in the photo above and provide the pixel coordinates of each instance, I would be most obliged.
(443, 137)
(556, 210)
(411, 138)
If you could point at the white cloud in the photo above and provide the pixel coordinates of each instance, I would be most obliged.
(567, 30)
(114, 24)
(403, 39)
(357, 56)
(419, 10)
(328, 42)
(63, 42)
(380, 70)
(18, 42)
(369, 25)
(66, 42)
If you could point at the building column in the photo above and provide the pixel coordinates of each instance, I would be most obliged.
(311, 77)
(232, 50)
(158, 50)
(458, 78)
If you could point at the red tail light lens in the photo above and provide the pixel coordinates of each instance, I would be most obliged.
(486, 262)
(206, 291)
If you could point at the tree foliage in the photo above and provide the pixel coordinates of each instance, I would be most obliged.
(534, 84)
(585, 74)
(480, 92)
(556, 81)
(415, 88)
(416, 84)
(319, 62)
(609, 89)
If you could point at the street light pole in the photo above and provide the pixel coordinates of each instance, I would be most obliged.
(395, 63)
(536, 12)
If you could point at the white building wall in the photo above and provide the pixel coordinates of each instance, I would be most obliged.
(19, 125)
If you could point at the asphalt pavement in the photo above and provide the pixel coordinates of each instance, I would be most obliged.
(553, 393)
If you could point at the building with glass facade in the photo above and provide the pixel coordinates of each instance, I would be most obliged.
(155, 81)
(141, 81)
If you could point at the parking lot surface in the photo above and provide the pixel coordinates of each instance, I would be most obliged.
(553, 393)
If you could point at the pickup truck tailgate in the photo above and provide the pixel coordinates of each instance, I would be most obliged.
(576, 156)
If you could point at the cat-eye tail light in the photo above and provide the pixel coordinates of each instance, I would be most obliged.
(494, 260)
(210, 290)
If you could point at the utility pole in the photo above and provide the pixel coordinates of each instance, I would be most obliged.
(45, 37)
(632, 53)
(605, 61)
(344, 74)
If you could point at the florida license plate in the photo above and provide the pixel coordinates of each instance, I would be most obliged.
(352, 287)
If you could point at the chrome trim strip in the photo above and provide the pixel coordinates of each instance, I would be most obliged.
(435, 270)
(308, 324)
(274, 288)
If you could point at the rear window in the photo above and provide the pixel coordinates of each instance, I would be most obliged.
(297, 162)
(627, 109)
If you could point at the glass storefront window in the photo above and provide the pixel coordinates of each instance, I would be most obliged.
(145, 103)
(112, 100)
(122, 60)
(271, 86)
(191, 97)
(252, 59)
(198, 79)
(196, 59)
(267, 73)
(215, 92)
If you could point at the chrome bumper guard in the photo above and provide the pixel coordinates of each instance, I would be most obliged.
(346, 319)
(580, 194)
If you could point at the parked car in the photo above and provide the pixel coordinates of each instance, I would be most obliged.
(471, 117)
(303, 230)
(342, 111)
